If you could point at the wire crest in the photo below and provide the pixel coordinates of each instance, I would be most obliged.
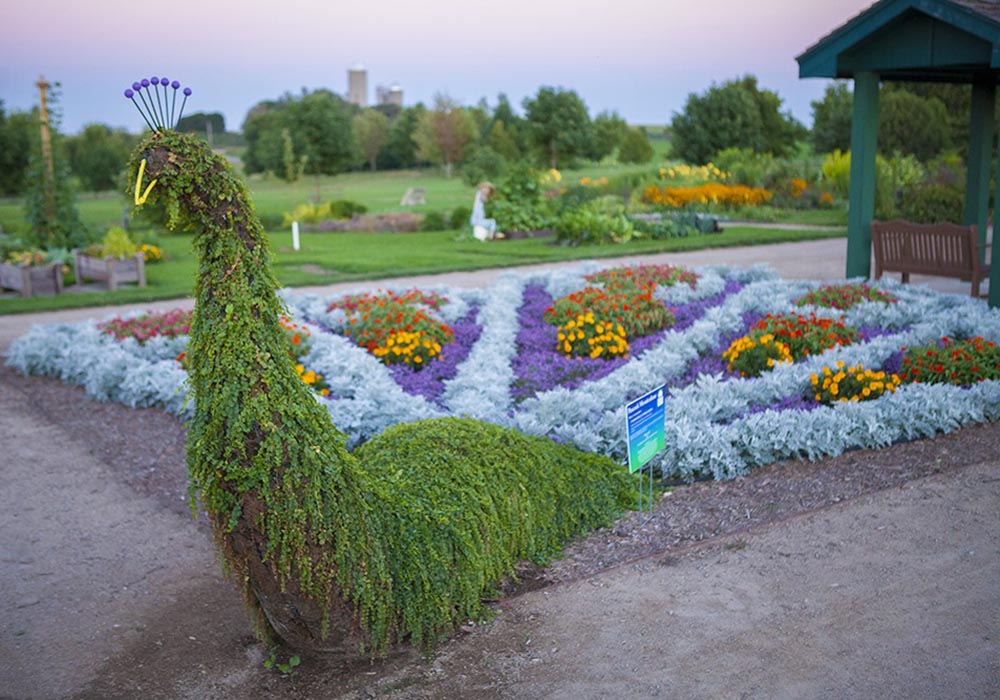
(159, 104)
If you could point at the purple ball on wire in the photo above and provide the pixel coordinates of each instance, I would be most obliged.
(154, 80)
(145, 82)
(164, 82)
(176, 84)
(136, 86)
(129, 93)
(187, 92)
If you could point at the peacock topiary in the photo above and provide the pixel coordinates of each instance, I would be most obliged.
(338, 552)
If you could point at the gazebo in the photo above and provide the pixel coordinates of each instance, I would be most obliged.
(953, 41)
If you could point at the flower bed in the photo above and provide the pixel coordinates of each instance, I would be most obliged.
(504, 364)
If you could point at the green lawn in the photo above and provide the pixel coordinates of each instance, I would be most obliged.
(340, 257)
(328, 258)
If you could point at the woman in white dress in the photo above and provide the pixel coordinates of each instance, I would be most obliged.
(482, 228)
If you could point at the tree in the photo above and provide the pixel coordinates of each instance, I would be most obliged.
(558, 125)
(97, 156)
(444, 133)
(908, 123)
(371, 131)
(832, 119)
(501, 142)
(17, 131)
(200, 122)
(608, 131)
(50, 203)
(635, 146)
(320, 124)
(735, 114)
(514, 125)
(400, 149)
(911, 124)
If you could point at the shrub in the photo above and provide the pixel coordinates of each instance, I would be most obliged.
(852, 384)
(343, 209)
(459, 218)
(519, 204)
(744, 165)
(635, 146)
(484, 164)
(931, 202)
(961, 362)
(309, 213)
(433, 221)
(836, 171)
(117, 244)
(600, 221)
(439, 489)
(844, 296)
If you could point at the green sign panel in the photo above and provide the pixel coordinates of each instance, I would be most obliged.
(644, 427)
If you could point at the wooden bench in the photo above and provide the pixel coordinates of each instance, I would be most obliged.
(941, 250)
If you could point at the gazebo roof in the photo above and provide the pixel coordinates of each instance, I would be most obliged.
(919, 40)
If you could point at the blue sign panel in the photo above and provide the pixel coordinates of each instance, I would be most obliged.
(644, 427)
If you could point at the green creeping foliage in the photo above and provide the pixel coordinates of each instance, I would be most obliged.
(257, 435)
(440, 512)
(458, 503)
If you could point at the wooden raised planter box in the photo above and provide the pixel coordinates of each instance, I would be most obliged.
(32, 280)
(110, 270)
(943, 250)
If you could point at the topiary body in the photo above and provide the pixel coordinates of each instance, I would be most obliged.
(338, 552)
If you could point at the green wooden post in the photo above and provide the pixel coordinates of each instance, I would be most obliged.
(994, 296)
(861, 194)
(977, 180)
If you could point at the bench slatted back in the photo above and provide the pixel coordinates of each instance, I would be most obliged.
(930, 249)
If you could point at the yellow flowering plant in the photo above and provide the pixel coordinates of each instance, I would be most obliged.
(842, 384)
(751, 355)
(397, 326)
(415, 348)
(151, 253)
(588, 336)
(298, 336)
(710, 193)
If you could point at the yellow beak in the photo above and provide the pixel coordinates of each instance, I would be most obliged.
(139, 200)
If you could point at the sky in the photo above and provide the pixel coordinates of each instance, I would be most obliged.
(641, 58)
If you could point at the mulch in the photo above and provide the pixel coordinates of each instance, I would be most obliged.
(145, 449)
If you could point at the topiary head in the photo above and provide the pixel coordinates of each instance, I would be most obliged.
(179, 182)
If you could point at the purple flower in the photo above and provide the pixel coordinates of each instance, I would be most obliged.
(429, 380)
(539, 366)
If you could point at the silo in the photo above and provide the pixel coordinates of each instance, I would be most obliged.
(357, 85)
